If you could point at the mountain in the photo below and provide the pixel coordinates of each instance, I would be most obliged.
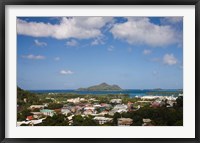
(101, 87)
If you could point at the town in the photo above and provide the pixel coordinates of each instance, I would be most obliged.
(54, 109)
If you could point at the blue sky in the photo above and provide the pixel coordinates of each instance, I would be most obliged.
(74, 52)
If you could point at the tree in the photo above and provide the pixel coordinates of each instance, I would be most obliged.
(115, 118)
(78, 120)
(54, 106)
(179, 101)
(56, 120)
(21, 116)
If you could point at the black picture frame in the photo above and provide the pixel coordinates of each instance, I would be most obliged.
(3, 5)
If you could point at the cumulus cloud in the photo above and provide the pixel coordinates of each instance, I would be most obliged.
(68, 27)
(33, 57)
(40, 44)
(146, 52)
(137, 30)
(72, 43)
(169, 59)
(110, 48)
(66, 72)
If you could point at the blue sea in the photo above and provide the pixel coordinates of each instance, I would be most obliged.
(130, 92)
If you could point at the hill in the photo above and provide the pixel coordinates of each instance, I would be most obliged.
(101, 87)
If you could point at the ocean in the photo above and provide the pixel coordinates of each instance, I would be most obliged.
(130, 92)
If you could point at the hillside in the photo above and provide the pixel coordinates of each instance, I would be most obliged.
(101, 87)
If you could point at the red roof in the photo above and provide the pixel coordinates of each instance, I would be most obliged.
(29, 117)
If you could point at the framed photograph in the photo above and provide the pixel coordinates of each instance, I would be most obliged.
(103, 71)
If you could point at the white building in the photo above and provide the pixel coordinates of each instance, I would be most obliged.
(37, 106)
(74, 100)
(47, 112)
(124, 121)
(120, 107)
(89, 108)
(146, 122)
(102, 120)
(65, 111)
(117, 101)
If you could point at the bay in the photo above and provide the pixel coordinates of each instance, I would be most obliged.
(130, 92)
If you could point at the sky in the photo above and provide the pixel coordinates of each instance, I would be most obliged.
(74, 52)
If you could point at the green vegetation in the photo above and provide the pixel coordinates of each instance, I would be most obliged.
(78, 120)
(160, 116)
(26, 98)
(165, 93)
(56, 120)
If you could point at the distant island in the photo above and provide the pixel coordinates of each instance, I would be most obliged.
(157, 89)
(101, 87)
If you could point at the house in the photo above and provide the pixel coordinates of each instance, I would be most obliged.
(97, 106)
(35, 122)
(31, 122)
(70, 118)
(105, 105)
(146, 122)
(180, 94)
(130, 105)
(102, 120)
(74, 100)
(120, 108)
(37, 115)
(89, 108)
(149, 97)
(92, 99)
(170, 103)
(47, 112)
(23, 122)
(29, 118)
(65, 111)
(88, 112)
(124, 121)
(82, 99)
(73, 109)
(116, 101)
(103, 113)
(37, 107)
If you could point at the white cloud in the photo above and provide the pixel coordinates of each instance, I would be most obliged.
(98, 41)
(146, 52)
(110, 48)
(57, 58)
(73, 27)
(141, 31)
(72, 43)
(40, 44)
(95, 42)
(66, 72)
(33, 57)
(169, 59)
